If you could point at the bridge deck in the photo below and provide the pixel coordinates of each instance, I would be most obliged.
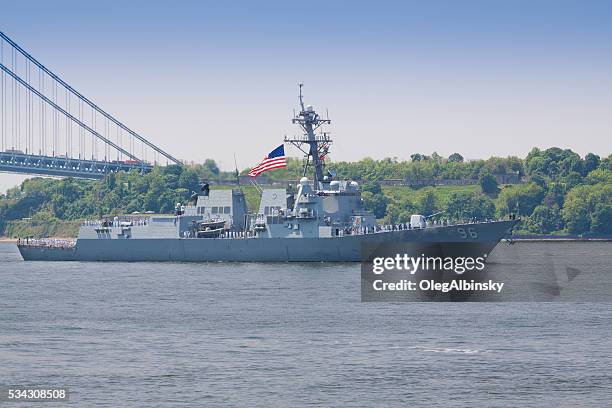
(16, 162)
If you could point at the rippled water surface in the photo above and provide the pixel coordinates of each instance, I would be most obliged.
(144, 334)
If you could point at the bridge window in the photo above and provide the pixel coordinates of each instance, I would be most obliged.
(226, 210)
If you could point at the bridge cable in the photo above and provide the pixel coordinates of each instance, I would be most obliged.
(63, 111)
(18, 112)
(80, 129)
(44, 116)
(13, 127)
(2, 95)
(87, 101)
(93, 142)
(27, 105)
(66, 122)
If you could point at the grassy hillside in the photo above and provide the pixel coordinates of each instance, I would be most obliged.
(442, 192)
(41, 229)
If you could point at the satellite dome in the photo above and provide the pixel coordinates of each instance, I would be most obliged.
(304, 181)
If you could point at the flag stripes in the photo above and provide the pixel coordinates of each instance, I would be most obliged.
(275, 160)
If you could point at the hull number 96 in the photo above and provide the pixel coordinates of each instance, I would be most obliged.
(467, 233)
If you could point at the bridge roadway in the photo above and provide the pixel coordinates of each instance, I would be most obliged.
(17, 162)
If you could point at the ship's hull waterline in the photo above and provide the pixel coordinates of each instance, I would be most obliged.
(334, 249)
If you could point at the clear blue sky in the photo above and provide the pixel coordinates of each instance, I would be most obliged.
(210, 79)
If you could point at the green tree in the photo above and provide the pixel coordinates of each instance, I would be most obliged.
(189, 180)
(571, 163)
(428, 204)
(463, 206)
(111, 181)
(455, 158)
(488, 183)
(522, 198)
(586, 208)
(545, 220)
(553, 162)
(376, 203)
(591, 162)
(606, 163)
(211, 166)
(554, 195)
(372, 187)
(538, 179)
(572, 179)
(436, 157)
(599, 175)
(172, 169)
(576, 210)
(601, 219)
(400, 211)
(373, 199)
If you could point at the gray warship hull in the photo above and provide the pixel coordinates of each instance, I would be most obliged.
(449, 240)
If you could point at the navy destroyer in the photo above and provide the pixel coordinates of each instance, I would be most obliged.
(320, 219)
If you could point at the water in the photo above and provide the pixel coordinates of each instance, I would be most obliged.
(143, 334)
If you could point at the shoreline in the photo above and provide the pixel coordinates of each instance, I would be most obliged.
(518, 239)
(7, 239)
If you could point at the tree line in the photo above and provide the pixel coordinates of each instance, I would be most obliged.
(562, 192)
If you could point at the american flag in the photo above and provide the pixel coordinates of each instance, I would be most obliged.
(274, 160)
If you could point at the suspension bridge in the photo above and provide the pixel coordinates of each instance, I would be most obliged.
(49, 128)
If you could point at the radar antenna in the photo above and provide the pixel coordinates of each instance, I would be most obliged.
(318, 144)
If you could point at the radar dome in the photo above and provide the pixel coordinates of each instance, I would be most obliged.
(304, 181)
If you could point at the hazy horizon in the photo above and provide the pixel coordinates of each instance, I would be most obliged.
(209, 80)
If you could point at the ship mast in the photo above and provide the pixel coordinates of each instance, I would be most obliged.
(318, 144)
